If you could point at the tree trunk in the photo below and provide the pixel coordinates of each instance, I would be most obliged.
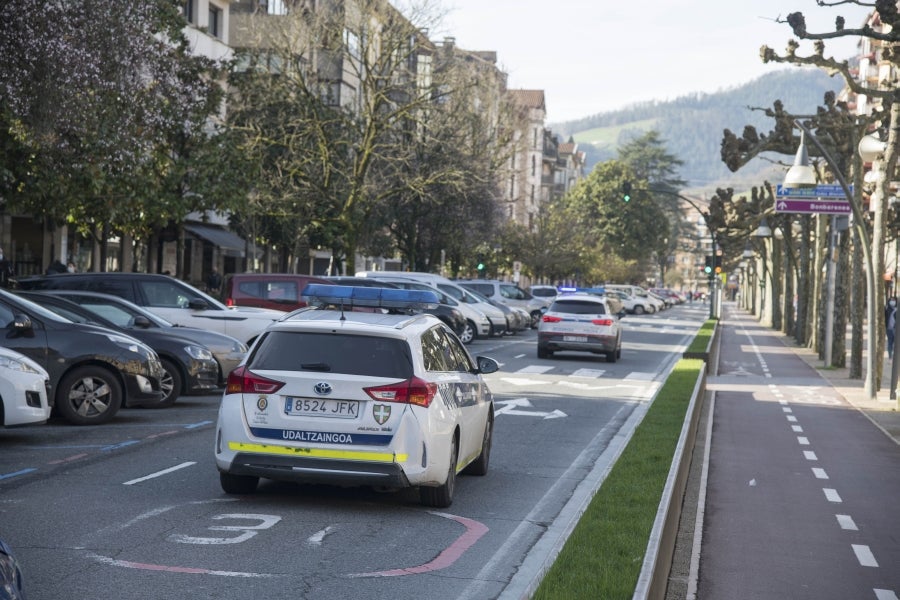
(841, 302)
(857, 307)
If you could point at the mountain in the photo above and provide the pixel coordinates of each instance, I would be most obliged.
(692, 125)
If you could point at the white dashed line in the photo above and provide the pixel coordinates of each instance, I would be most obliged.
(802, 440)
(820, 473)
(787, 409)
(885, 595)
(792, 419)
(846, 522)
(159, 473)
(831, 495)
(797, 428)
(810, 455)
(864, 555)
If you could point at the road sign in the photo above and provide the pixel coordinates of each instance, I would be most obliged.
(831, 192)
(813, 206)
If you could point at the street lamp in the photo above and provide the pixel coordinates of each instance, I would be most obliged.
(801, 175)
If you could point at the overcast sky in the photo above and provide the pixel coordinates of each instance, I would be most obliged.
(590, 56)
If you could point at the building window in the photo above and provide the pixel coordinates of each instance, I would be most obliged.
(351, 42)
(533, 165)
(535, 143)
(189, 10)
(215, 21)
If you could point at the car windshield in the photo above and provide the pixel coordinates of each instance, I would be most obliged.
(545, 292)
(39, 311)
(578, 307)
(368, 356)
(113, 306)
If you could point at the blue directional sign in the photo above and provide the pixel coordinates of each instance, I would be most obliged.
(812, 206)
(832, 192)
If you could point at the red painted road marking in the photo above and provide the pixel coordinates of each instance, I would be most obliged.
(69, 459)
(474, 531)
(171, 569)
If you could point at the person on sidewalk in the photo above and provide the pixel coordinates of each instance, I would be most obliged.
(890, 322)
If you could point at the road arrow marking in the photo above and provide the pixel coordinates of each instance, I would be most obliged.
(512, 407)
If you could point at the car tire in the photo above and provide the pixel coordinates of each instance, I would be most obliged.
(442, 495)
(238, 484)
(619, 352)
(544, 353)
(468, 333)
(171, 383)
(612, 356)
(479, 466)
(89, 395)
(535, 318)
(638, 310)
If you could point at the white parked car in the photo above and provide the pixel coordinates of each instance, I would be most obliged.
(357, 398)
(582, 322)
(23, 390)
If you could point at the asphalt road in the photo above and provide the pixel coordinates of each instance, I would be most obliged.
(133, 509)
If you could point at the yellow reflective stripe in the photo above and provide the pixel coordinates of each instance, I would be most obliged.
(318, 452)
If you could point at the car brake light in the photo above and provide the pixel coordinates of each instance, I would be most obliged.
(549, 319)
(229, 301)
(412, 391)
(243, 381)
(605, 322)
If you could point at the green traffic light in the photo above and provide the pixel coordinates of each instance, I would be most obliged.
(707, 269)
(626, 191)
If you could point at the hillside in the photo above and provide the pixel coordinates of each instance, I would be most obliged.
(692, 125)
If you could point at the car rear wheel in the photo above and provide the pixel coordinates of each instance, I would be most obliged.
(638, 310)
(442, 495)
(238, 484)
(544, 353)
(468, 333)
(479, 466)
(612, 356)
(171, 384)
(89, 395)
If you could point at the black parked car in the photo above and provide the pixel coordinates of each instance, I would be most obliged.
(189, 367)
(93, 371)
(12, 583)
(228, 351)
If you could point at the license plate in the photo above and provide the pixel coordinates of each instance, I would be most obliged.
(321, 407)
(574, 338)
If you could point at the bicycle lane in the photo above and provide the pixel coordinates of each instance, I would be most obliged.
(802, 488)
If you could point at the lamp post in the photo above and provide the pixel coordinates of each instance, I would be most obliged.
(800, 175)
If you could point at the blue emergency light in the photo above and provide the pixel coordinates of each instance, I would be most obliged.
(348, 296)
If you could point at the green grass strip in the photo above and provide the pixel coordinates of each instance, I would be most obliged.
(604, 555)
(701, 340)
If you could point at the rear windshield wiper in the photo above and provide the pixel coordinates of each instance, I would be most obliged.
(315, 366)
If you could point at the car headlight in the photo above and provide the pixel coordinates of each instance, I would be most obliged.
(198, 352)
(130, 344)
(13, 364)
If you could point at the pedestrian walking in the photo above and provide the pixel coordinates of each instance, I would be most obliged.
(214, 281)
(890, 322)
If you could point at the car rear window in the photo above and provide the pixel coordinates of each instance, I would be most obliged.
(333, 353)
(578, 307)
(545, 292)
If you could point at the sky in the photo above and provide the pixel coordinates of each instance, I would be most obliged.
(591, 56)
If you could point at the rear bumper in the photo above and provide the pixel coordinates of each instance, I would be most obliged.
(594, 343)
(318, 470)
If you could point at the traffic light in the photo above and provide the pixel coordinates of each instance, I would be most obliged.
(708, 267)
(480, 266)
(626, 191)
(717, 264)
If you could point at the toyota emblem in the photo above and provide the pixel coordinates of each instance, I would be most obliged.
(322, 388)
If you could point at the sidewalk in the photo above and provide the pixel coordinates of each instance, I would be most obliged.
(882, 410)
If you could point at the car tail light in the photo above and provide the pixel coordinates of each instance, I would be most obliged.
(412, 391)
(604, 322)
(229, 301)
(550, 319)
(243, 381)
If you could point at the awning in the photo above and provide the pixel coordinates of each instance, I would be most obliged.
(230, 243)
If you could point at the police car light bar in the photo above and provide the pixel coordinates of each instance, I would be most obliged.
(372, 297)
(591, 290)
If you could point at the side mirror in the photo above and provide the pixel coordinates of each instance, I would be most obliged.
(486, 365)
(197, 304)
(141, 322)
(22, 322)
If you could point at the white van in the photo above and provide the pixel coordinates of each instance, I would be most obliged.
(462, 295)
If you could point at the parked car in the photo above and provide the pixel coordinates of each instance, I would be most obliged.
(170, 298)
(443, 311)
(467, 320)
(507, 293)
(517, 319)
(673, 296)
(188, 367)
(93, 371)
(648, 304)
(581, 322)
(227, 351)
(12, 582)
(277, 291)
(24, 387)
(357, 398)
(632, 305)
(544, 293)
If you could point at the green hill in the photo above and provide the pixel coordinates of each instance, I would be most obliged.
(692, 125)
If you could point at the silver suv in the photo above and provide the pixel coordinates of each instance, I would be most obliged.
(506, 293)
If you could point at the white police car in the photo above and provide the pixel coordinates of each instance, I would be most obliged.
(23, 390)
(585, 321)
(345, 397)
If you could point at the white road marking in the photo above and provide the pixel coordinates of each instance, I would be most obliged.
(519, 356)
(810, 455)
(752, 483)
(847, 522)
(640, 376)
(160, 473)
(831, 495)
(535, 369)
(792, 419)
(787, 409)
(820, 473)
(885, 594)
(592, 373)
(802, 440)
(316, 538)
(864, 555)
(797, 428)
